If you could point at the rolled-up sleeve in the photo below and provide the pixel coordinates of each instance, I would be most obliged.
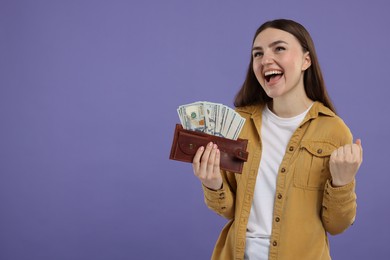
(338, 207)
(220, 201)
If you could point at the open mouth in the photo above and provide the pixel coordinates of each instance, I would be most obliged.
(273, 75)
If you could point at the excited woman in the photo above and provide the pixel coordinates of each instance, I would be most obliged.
(299, 181)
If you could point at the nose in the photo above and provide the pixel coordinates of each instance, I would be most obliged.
(267, 59)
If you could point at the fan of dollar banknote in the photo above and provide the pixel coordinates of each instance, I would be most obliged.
(211, 118)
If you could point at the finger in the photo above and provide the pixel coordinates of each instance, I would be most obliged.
(359, 143)
(340, 152)
(196, 160)
(347, 149)
(210, 163)
(205, 157)
(358, 152)
(333, 155)
(198, 154)
(217, 161)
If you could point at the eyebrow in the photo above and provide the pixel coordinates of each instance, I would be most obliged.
(271, 45)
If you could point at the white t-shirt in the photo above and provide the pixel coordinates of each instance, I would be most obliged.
(275, 135)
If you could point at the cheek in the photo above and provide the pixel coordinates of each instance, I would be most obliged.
(257, 70)
(294, 63)
(291, 69)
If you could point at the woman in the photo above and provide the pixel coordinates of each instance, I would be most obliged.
(299, 181)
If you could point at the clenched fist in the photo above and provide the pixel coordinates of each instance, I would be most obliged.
(345, 162)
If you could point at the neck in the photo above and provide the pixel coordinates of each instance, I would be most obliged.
(290, 107)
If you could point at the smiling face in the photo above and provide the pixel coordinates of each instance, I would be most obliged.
(279, 64)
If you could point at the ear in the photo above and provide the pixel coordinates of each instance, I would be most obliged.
(306, 61)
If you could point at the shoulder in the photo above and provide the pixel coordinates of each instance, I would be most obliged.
(249, 110)
(252, 115)
(327, 125)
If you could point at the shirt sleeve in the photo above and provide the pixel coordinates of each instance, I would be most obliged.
(222, 201)
(338, 207)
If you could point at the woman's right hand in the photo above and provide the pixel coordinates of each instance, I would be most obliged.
(206, 166)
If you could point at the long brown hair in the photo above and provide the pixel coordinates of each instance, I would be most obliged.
(252, 93)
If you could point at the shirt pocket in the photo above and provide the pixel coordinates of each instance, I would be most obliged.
(312, 166)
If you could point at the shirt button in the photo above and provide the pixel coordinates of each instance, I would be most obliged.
(280, 196)
(319, 151)
(291, 148)
(274, 243)
(223, 208)
(277, 219)
(221, 194)
(283, 169)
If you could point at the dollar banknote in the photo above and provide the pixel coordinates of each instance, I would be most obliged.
(211, 118)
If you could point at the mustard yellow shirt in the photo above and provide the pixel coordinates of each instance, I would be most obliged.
(306, 206)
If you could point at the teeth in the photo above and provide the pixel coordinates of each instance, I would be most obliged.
(272, 72)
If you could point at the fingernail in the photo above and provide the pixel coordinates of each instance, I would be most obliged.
(215, 146)
(201, 148)
(210, 144)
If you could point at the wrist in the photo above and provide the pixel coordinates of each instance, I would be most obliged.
(214, 188)
(337, 184)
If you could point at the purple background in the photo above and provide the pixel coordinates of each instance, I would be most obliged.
(88, 98)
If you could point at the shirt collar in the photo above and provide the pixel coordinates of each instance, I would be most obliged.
(317, 109)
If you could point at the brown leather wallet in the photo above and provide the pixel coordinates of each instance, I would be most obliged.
(186, 143)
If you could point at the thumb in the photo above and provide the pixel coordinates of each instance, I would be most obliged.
(358, 142)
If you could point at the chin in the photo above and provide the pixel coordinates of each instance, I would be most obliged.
(274, 94)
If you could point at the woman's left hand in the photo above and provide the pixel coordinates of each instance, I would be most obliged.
(345, 162)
